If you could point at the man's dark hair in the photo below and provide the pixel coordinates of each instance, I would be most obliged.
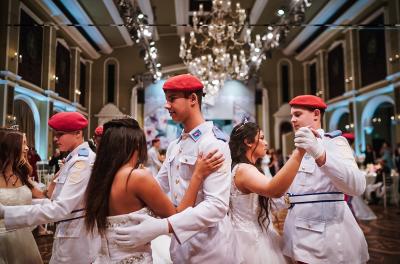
(198, 93)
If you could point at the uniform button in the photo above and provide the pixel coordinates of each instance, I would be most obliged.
(175, 195)
(177, 181)
(309, 226)
(177, 167)
(302, 168)
(186, 160)
(180, 150)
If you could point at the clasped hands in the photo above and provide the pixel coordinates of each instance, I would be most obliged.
(306, 138)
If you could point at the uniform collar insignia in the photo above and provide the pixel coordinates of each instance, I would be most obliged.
(196, 132)
(196, 135)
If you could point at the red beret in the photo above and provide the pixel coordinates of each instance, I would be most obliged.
(68, 121)
(348, 136)
(184, 83)
(308, 101)
(98, 131)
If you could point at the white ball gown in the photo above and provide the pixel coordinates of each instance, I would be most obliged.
(256, 246)
(17, 246)
(111, 253)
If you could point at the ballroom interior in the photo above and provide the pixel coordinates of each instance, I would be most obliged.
(108, 59)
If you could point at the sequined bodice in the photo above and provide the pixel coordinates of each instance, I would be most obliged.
(112, 253)
(244, 208)
(14, 196)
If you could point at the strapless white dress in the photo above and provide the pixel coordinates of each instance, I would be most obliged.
(17, 246)
(110, 252)
(256, 246)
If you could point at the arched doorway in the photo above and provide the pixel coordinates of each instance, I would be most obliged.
(344, 123)
(383, 129)
(340, 119)
(377, 123)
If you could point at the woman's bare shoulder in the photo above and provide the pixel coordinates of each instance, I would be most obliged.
(245, 168)
(136, 176)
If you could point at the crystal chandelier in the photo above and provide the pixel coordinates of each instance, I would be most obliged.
(220, 47)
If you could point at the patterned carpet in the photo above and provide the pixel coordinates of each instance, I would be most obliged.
(383, 237)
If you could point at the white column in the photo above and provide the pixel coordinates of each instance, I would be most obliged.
(134, 104)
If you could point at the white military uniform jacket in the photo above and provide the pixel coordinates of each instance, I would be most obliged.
(326, 232)
(72, 244)
(203, 234)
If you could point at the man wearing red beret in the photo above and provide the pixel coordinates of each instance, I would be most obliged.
(202, 234)
(65, 204)
(319, 227)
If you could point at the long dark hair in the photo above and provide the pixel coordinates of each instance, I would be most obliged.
(242, 132)
(121, 138)
(11, 155)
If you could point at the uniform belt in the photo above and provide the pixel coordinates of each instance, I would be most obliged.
(324, 197)
(75, 214)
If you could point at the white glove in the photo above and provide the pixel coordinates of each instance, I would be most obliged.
(305, 139)
(1, 211)
(146, 229)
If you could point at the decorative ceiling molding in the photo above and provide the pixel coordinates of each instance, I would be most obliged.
(182, 15)
(326, 12)
(81, 16)
(257, 10)
(60, 19)
(146, 8)
(113, 11)
(345, 19)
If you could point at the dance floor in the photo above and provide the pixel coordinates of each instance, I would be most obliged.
(383, 237)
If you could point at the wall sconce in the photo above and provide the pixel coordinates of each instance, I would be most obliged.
(349, 80)
(349, 126)
(11, 122)
(395, 119)
(394, 58)
(17, 57)
(55, 78)
(78, 92)
(319, 93)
